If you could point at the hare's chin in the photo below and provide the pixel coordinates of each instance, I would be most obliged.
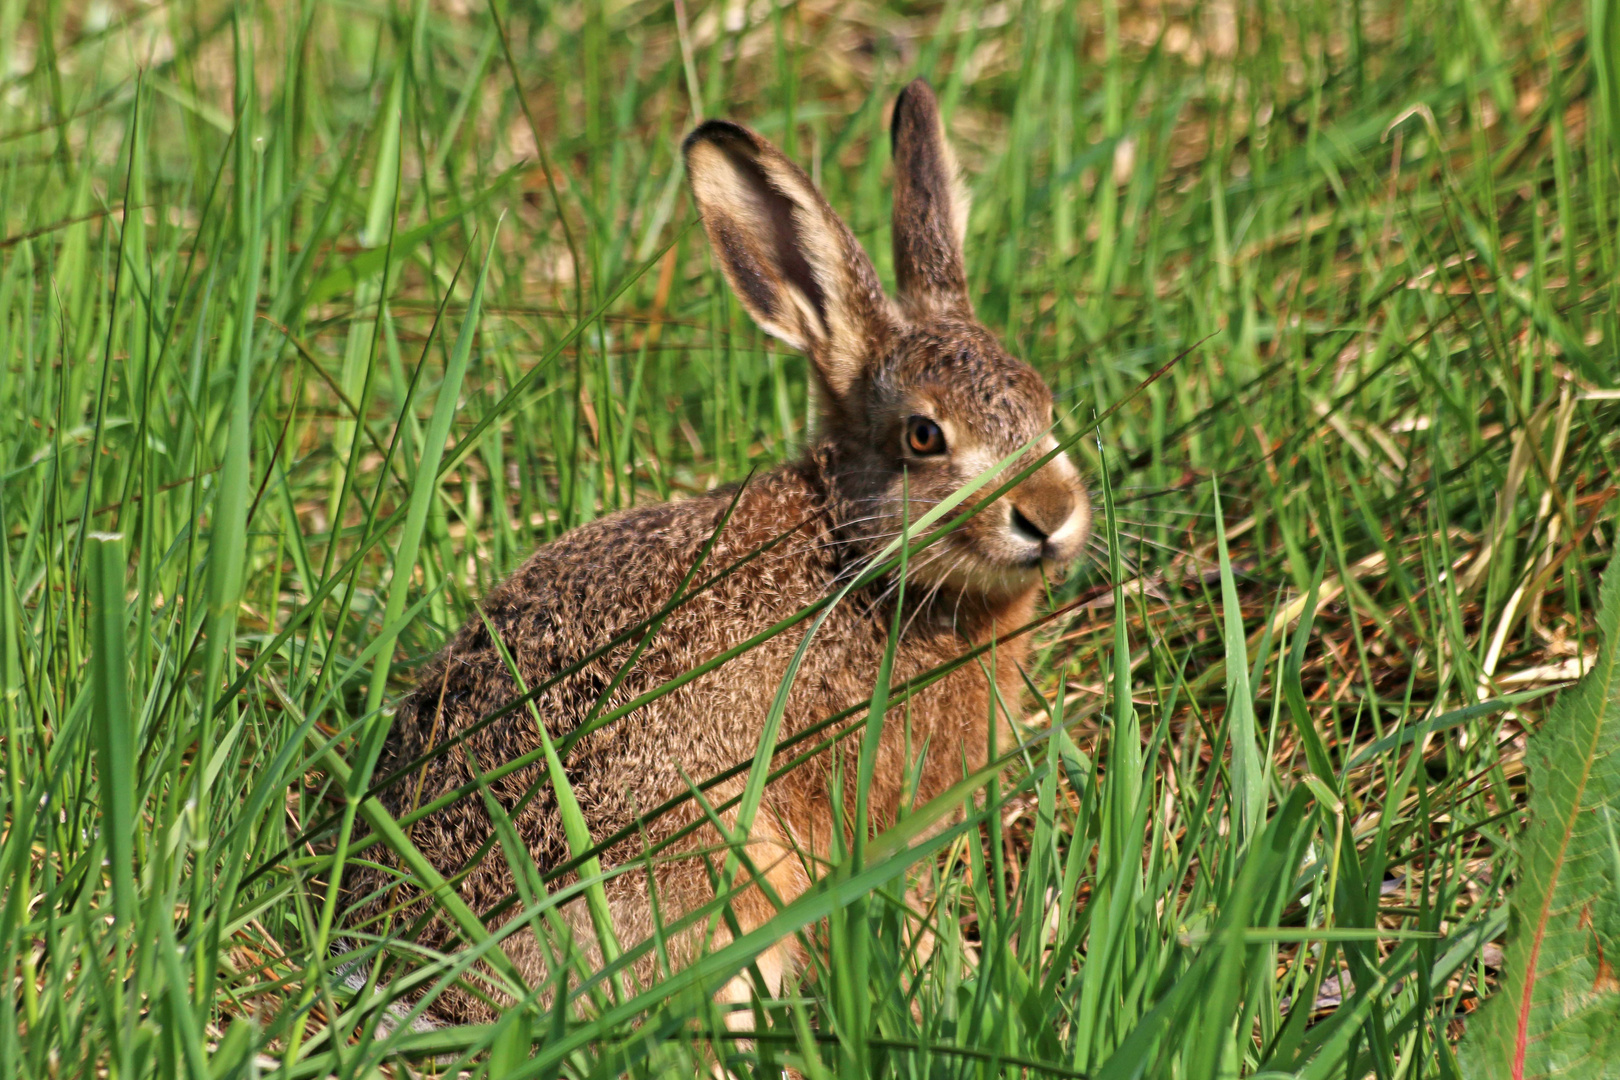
(992, 579)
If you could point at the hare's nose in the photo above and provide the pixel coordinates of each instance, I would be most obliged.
(1023, 525)
(1056, 519)
(1039, 519)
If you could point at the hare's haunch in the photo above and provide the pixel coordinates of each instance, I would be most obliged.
(916, 399)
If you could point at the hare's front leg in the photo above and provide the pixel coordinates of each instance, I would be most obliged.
(779, 864)
(645, 905)
(771, 876)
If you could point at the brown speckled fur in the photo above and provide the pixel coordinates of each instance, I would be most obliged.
(801, 274)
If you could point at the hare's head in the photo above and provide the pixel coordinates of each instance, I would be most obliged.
(916, 395)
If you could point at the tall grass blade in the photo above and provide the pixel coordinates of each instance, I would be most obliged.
(112, 721)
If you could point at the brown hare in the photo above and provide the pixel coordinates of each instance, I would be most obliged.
(915, 399)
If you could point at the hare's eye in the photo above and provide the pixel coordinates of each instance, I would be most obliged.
(923, 436)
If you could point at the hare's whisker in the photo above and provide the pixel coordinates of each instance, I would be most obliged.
(1154, 543)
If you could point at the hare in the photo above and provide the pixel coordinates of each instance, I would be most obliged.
(915, 399)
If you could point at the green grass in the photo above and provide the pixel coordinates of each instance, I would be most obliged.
(1269, 800)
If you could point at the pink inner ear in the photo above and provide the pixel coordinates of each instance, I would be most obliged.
(789, 247)
(766, 229)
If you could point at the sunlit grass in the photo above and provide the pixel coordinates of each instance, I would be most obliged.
(294, 295)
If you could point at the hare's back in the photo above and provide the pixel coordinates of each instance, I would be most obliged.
(609, 577)
(575, 596)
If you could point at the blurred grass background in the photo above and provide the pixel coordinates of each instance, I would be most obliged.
(1268, 807)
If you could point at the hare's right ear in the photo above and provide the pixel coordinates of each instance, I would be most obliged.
(930, 208)
(794, 265)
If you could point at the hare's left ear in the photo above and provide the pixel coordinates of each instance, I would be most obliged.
(791, 261)
(930, 208)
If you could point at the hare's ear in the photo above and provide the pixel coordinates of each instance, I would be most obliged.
(930, 208)
(790, 260)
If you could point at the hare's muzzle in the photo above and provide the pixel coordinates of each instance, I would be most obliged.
(1049, 514)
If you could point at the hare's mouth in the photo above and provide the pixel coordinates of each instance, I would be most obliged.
(1028, 560)
(988, 574)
